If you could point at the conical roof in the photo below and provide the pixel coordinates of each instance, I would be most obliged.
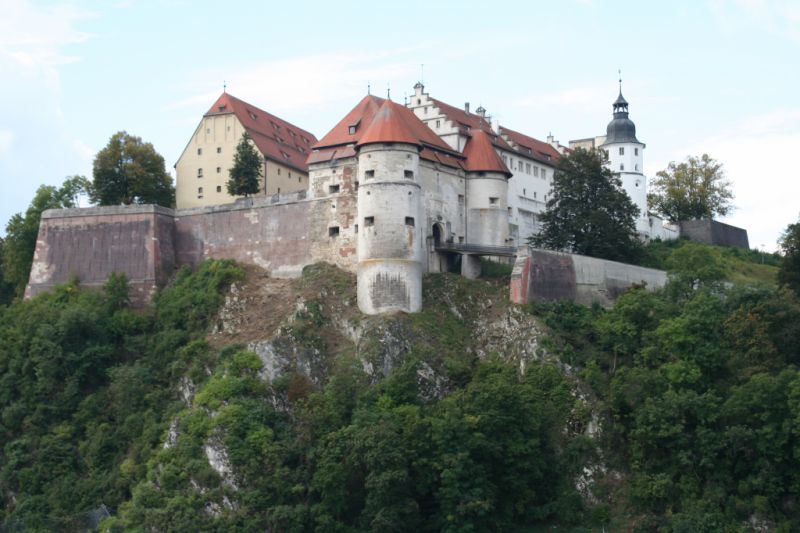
(481, 155)
(390, 126)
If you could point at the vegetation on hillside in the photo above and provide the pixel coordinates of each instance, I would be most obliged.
(693, 189)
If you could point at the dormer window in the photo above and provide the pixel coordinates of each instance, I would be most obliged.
(351, 130)
(252, 115)
(222, 107)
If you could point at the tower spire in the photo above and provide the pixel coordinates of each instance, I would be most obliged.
(224, 86)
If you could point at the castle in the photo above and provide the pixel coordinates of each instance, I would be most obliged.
(393, 191)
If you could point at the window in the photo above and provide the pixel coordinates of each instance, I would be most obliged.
(528, 168)
(535, 171)
(636, 166)
(461, 240)
(638, 183)
(355, 185)
(219, 170)
(199, 192)
(333, 231)
(279, 171)
(621, 150)
(355, 228)
(419, 101)
(219, 188)
(493, 200)
(438, 123)
(252, 115)
(290, 175)
(333, 189)
(199, 151)
(520, 166)
(279, 190)
(351, 130)
(622, 166)
(408, 174)
(524, 192)
(426, 109)
(544, 174)
(199, 172)
(369, 174)
(219, 149)
(369, 221)
(504, 159)
(410, 221)
(299, 179)
(460, 199)
(635, 151)
(534, 195)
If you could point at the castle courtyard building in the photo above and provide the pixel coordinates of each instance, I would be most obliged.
(202, 169)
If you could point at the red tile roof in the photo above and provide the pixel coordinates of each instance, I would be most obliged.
(376, 119)
(358, 118)
(276, 139)
(469, 122)
(396, 123)
(530, 147)
(481, 154)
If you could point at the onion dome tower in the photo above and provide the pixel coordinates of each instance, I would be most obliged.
(390, 239)
(626, 156)
(487, 191)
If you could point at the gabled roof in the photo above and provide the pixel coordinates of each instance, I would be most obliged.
(530, 147)
(277, 139)
(378, 120)
(481, 155)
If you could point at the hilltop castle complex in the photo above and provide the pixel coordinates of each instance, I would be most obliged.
(390, 192)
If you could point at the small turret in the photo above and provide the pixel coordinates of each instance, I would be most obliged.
(487, 192)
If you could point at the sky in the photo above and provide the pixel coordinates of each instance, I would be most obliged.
(718, 77)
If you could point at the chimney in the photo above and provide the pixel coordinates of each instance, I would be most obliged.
(466, 107)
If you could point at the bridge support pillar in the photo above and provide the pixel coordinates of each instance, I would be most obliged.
(470, 266)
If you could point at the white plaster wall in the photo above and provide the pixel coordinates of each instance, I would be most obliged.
(528, 193)
(487, 222)
(390, 249)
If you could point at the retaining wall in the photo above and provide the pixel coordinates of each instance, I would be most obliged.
(544, 275)
(714, 232)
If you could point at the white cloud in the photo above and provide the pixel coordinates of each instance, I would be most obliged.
(32, 38)
(6, 140)
(308, 82)
(776, 17)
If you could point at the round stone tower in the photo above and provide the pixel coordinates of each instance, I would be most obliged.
(390, 224)
(626, 156)
(487, 192)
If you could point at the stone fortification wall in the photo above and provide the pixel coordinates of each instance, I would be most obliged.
(544, 275)
(281, 233)
(713, 232)
(90, 244)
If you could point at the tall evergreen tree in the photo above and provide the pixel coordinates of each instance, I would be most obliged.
(588, 212)
(246, 172)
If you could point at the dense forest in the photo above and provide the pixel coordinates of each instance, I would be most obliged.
(677, 410)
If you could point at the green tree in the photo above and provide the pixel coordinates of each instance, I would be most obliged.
(588, 212)
(246, 172)
(789, 273)
(129, 171)
(22, 230)
(694, 189)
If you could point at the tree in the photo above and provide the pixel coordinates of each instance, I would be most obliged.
(588, 212)
(129, 171)
(694, 189)
(22, 230)
(789, 273)
(246, 172)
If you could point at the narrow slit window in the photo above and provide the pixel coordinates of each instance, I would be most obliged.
(199, 172)
(369, 221)
(333, 189)
(356, 228)
(409, 174)
(199, 151)
(410, 221)
(333, 231)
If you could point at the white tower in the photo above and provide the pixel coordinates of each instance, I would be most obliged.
(390, 216)
(625, 156)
